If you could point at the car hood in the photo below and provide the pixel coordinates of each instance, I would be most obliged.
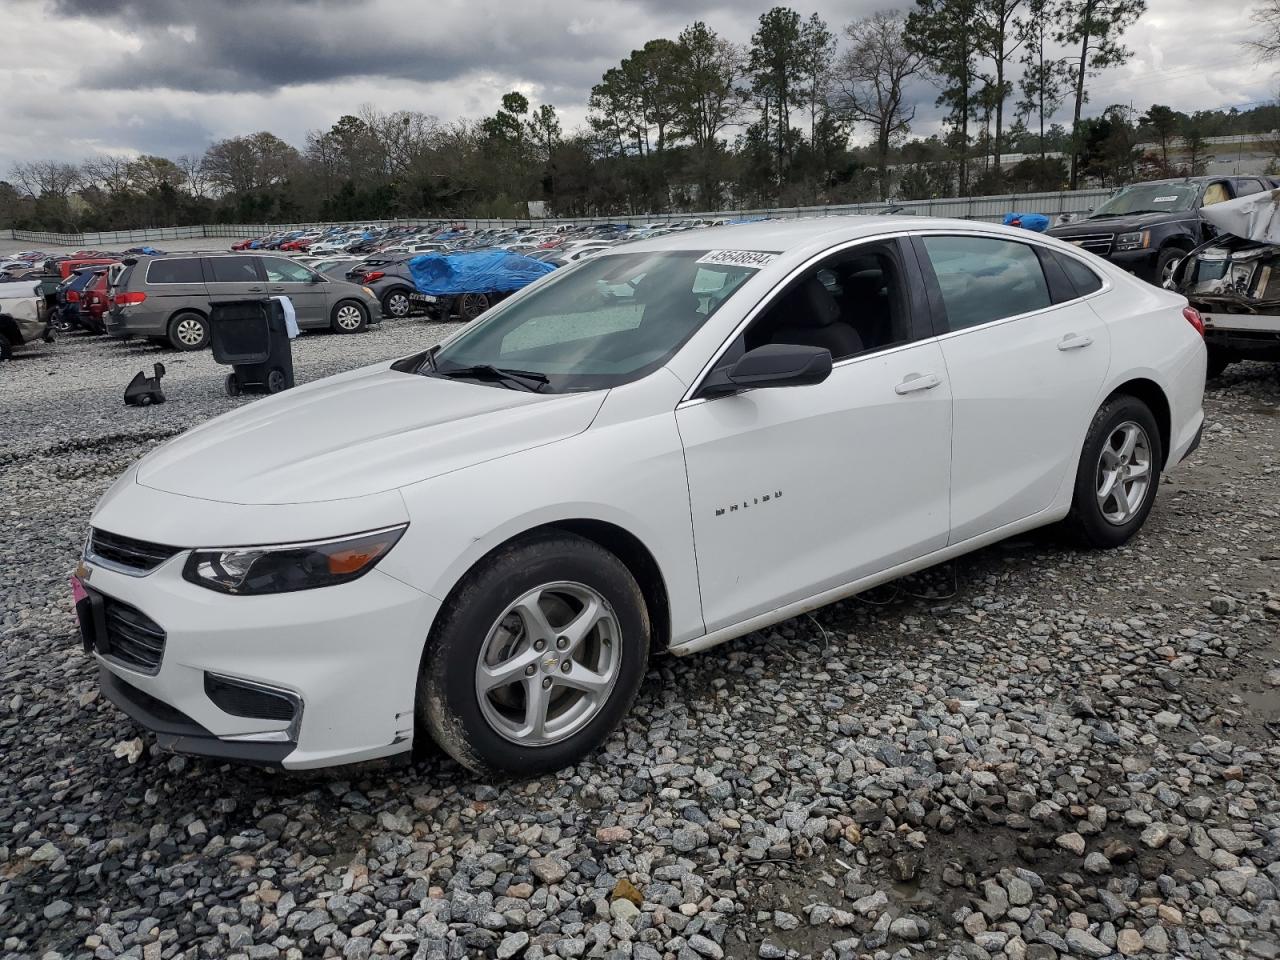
(1118, 224)
(357, 434)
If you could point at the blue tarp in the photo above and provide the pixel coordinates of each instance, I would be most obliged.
(482, 271)
(1027, 221)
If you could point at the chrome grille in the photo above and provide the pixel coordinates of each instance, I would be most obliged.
(133, 638)
(1099, 243)
(133, 555)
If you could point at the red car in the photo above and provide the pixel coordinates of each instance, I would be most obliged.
(298, 245)
(242, 244)
(95, 301)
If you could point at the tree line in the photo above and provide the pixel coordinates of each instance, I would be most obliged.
(693, 122)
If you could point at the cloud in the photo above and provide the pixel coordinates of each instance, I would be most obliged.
(169, 76)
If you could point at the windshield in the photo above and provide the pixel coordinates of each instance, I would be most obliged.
(609, 321)
(1149, 198)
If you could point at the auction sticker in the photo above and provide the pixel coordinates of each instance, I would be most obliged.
(754, 259)
(1164, 199)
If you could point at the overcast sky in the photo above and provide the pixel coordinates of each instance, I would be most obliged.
(84, 77)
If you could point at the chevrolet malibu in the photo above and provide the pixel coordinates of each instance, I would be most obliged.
(669, 445)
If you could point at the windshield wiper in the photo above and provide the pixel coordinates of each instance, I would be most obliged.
(523, 379)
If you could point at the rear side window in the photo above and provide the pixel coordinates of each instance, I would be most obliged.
(233, 269)
(174, 271)
(1082, 278)
(1246, 187)
(983, 279)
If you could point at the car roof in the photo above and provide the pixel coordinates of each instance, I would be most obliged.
(783, 235)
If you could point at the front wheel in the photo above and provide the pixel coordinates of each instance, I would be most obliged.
(536, 657)
(1166, 263)
(471, 305)
(349, 317)
(1118, 474)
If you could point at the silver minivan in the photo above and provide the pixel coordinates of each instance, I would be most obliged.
(167, 298)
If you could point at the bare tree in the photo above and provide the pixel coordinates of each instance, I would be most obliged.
(1267, 17)
(39, 178)
(870, 78)
(110, 173)
(195, 176)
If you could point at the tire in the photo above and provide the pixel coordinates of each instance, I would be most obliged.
(188, 331)
(1165, 263)
(1218, 362)
(484, 722)
(6, 348)
(349, 316)
(471, 305)
(396, 304)
(275, 380)
(1098, 517)
(231, 385)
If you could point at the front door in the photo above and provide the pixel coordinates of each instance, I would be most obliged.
(798, 490)
(310, 296)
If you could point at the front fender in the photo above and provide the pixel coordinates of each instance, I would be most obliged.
(629, 474)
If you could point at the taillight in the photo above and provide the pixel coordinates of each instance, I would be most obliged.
(129, 299)
(1194, 318)
(373, 275)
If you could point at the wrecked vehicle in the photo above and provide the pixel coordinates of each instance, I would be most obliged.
(1146, 228)
(24, 316)
(1234, 281)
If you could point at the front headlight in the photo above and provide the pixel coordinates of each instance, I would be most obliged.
(369, 293)
(246, 571)
(1133, 241)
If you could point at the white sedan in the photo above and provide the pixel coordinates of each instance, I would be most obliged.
(666, 446)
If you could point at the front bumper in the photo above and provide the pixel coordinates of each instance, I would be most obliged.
(348, 656)
(1141, 263)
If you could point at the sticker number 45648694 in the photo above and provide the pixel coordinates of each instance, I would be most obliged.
(753, 259)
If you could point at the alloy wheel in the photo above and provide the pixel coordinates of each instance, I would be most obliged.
(190, 331)
(548, 664)
(1124, 473)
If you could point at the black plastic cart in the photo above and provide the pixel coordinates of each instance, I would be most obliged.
(251, 337)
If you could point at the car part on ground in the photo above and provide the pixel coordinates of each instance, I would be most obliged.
(144, 391)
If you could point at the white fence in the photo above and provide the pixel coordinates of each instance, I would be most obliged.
(968, 208)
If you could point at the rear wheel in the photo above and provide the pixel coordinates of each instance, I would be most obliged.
(396, 304)
(349, 317)
(275, 380)
(188, 331)
(1118, 474)
(536, 657)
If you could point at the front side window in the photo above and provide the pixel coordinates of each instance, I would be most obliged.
(174, 271)
(285, 271)
(852, 303)
(1215, 193)
(609, 321)
(983, 279)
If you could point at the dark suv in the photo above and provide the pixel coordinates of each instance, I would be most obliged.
(1147, 227)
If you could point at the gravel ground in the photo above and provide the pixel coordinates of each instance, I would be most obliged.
(1031, 754)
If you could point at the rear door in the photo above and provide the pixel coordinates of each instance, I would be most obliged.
(1026, 358)
(309, 295)
(172, 284)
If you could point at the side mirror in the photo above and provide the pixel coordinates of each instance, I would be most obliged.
(773, 365)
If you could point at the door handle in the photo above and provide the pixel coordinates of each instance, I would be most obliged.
(1074, 341)
(254, 289)
(915, 382)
